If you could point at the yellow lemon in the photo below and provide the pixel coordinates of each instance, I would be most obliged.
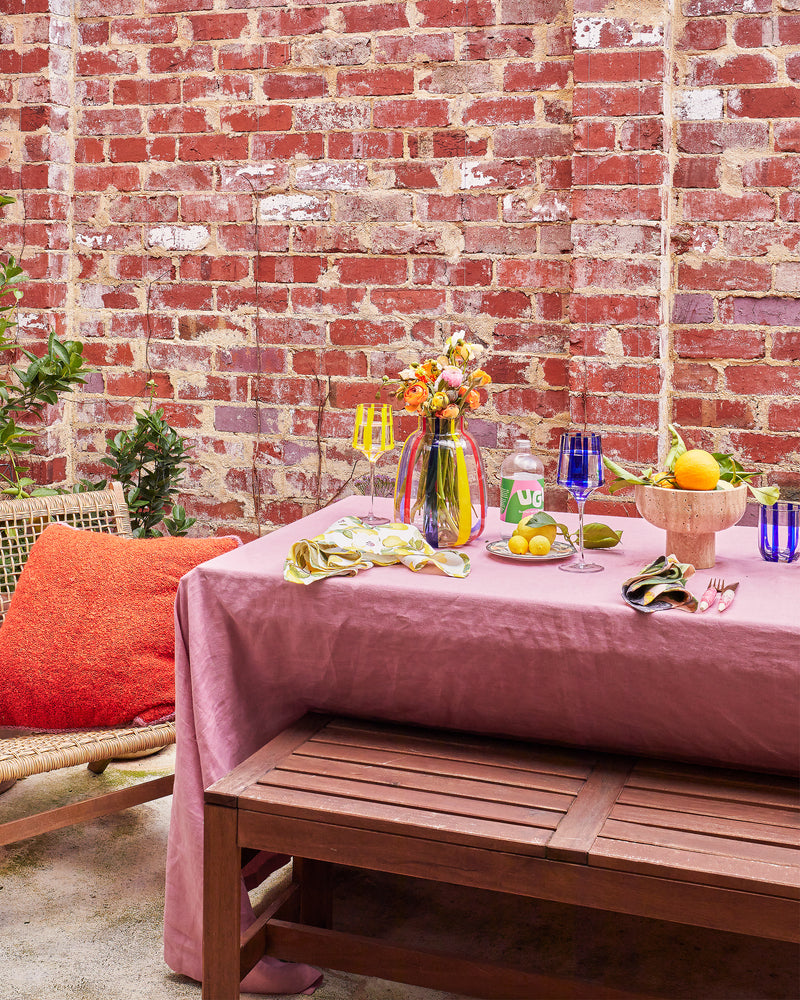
(696, 470)
(538, 523)
(539, 545)
(518, 545)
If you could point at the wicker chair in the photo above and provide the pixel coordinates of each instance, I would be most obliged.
(21, 521)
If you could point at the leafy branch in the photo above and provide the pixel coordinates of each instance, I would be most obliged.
(732, 473)
(26, 389)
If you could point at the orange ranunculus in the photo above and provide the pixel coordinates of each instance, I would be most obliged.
(480, 377)
(415, 395)
(449, 413)
(473, 399)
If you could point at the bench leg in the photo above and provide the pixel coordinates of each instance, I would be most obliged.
(315, 879)
(222, 890)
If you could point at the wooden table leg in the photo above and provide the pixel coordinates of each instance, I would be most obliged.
(222, 890)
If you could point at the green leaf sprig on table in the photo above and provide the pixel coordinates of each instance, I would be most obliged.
(732, 473)
(595, 536)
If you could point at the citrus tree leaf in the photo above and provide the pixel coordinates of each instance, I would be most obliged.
(677, 448)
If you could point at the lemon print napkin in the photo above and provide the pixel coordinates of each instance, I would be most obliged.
(349, 545)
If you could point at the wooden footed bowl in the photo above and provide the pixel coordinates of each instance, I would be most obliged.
(691, 518)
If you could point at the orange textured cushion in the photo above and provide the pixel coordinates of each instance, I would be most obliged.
(89, 638)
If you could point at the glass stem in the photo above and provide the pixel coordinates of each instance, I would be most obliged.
(371, 489)
(580, 504)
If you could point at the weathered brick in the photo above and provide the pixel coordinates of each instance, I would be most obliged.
(499, 111)
(736, 70)
(714, 137)
(606, 67)
(784, 417)
(770, 310)
(705, 35)
(291, 23)
(415, 47)
(773, 171)
(761, 379)
(764, 102)
(701, 412)
(455, 13)
(704, 342)
(697, 172)
(718, 206)
(786, 345)
(726, 275)
(552, 75)
(374, 17)
(369, 83)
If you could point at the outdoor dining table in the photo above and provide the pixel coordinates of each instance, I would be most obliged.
(515, 649)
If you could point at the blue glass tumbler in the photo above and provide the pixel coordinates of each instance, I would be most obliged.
(779, 531)
(580, 470)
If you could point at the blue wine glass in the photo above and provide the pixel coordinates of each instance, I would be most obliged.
(580, 470)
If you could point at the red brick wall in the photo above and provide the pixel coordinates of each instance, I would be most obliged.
(261, 208)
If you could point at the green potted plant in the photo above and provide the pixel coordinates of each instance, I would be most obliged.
(27, 388)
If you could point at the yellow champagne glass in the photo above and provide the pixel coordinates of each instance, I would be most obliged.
(373, 435)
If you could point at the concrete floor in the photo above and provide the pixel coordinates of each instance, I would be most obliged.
(81, 917)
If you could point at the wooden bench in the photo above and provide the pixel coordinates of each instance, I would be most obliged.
(694, 845)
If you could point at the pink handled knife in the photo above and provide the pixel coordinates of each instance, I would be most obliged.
(727, 597)
(709, 598)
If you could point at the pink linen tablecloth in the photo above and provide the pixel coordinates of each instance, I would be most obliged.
(517, 649)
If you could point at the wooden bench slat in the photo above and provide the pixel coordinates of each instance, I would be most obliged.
(737, 788)
(701, 843)
(225, 790)
(528, 838)
(462, 747)
(746, 811)
(698, 823)
(489, 791)
(717, 775)
(394, 795)
(536, 776)
(688, 866)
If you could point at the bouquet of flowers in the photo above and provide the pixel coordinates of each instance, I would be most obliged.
(445, 386)
(440, 483)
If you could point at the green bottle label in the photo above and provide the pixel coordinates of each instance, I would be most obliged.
(519, 497)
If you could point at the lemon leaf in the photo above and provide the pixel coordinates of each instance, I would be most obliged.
(677, 448)
(600, 536)
(767, 495)
(624, 478)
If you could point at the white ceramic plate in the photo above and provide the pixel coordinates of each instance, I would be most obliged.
(560, 550)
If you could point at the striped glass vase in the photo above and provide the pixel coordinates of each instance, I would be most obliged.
(440, 486)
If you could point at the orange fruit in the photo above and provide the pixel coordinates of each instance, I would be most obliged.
(696, 470)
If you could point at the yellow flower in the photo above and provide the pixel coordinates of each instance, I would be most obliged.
(480, 377)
